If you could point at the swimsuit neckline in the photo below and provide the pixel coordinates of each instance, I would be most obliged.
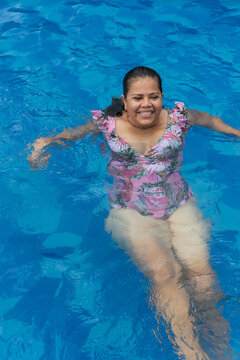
(135, 151)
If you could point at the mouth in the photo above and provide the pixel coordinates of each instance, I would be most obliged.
(145, 114)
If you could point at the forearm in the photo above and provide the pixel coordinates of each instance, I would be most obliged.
(67, 135)
(38, 158)
(214, 123)
(62, 138)
(41, 144)
(217, 124)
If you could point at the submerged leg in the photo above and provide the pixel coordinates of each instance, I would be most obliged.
(190, 231)
(147, 241)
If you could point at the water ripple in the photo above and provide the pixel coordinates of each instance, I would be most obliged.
(67, 291)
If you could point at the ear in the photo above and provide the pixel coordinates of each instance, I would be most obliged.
(162, 94)
(124, 102)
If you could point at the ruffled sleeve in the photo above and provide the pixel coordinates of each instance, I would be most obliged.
(180, 115)
(99, 120)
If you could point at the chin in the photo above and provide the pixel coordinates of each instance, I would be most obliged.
(146, 122)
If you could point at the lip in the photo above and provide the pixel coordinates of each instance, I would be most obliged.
(146, 113)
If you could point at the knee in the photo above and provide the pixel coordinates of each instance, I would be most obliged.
(164, 272)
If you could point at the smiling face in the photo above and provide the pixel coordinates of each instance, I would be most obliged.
(143, 102)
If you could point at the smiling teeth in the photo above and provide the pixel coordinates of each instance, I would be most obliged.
(146, 113)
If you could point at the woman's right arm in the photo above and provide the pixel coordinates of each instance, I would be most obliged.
(76, 133)
(37, 158)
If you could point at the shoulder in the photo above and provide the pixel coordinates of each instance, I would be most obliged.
(179, 114)
(180, 107)
(97, 114)
(100, 120)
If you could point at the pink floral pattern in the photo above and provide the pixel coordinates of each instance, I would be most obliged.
(151, 184)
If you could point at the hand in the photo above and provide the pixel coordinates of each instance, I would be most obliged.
(38, 158)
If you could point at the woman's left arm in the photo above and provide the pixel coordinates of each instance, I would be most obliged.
(211, 122)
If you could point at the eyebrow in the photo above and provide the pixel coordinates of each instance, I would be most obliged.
(154, 93)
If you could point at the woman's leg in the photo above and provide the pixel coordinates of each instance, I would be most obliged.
(190, 232)
(147, 241)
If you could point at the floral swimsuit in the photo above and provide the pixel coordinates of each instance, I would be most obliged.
(151, 183)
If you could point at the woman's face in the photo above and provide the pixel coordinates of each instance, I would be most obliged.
(143, 102)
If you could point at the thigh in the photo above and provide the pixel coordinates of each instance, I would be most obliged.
(145, 239)
(190, 233)
(129, 228)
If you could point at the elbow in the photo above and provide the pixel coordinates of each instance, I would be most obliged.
(214, 122)
(218, 119)
(69, 134)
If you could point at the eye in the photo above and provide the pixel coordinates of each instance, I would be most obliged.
(137, 98)
(154, 97)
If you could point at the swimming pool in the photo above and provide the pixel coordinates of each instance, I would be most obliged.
(67, 291)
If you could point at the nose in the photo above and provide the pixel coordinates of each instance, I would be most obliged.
(145, 102)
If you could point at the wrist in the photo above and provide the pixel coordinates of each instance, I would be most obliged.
(237, 133)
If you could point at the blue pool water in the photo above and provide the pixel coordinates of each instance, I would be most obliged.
(67, 292)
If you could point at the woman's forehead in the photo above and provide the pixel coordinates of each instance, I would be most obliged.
(145, 84)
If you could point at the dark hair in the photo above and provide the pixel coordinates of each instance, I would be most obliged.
(117, 107)
(140, 72)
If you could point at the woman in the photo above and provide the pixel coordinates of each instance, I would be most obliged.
(154, 215)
